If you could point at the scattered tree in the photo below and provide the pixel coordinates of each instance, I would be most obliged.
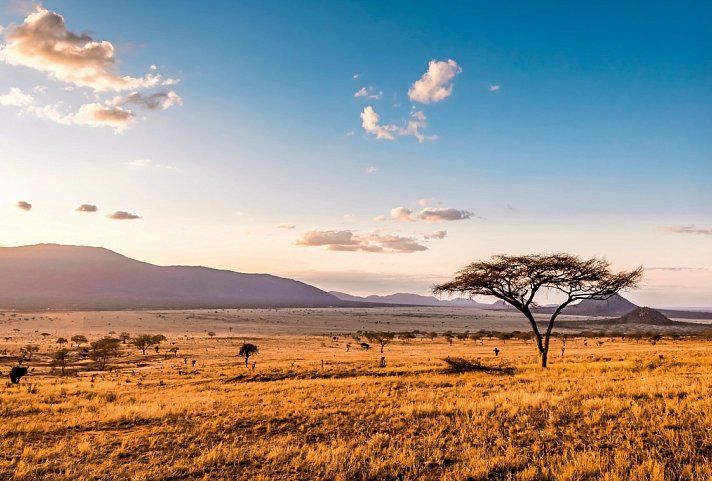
(61, 341)
(247, 350)
(517, 279)
(103, 348)
(79, 339)
(59, 358)
(124, 336)
(381, 338)
(28, 351)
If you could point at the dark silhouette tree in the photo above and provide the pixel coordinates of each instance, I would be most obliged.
(247, 350)
(143, 342)
(517, 279)
(382, 338)
(59, 358)
(103, 348)
(124, 336)
(79, 339)
(61, 341)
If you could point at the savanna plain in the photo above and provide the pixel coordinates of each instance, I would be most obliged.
(315, 404)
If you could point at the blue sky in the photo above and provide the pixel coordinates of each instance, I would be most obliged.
(576, 127)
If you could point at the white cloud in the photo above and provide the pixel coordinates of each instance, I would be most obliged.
(93, 115)
(402, 214)
(371, 169)
(16, 98)
(369, 93)
(42, 42)
(688, 229)
(286, 226)
(370, 121)
(435, 84)
(86, 208)
(494, 88)
(349, 241)
(138, 163)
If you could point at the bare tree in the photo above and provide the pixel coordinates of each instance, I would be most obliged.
(247, 350)
(517, 279)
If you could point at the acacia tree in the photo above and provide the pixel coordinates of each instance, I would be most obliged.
(517, 279)
(382, 338)
(247, 350)
(103, 348)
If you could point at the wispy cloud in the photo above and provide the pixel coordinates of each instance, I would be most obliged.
(495, 88)
(137, 163)
(435, 84)
(436, 234)
(26, 206)
(286, 226)
(122, 215)
(428, 214)
(155, 101)
(369, 93)
(688, 229)
(86, 208)
(349, 241)
(371, 169)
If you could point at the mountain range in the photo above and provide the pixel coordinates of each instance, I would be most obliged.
(51, 276)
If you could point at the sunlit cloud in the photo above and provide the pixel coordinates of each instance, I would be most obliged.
(86, 208)
(42, 42)
(286, 226)
(122, 215)
(688, 229)
(349, 241)
(402, 214)
(26, 206)
(370, 121)
(16, 98)
(435, 84)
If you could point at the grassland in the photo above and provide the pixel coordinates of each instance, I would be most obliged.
(621, 410)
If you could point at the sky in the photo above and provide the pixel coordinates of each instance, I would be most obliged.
(366, 147)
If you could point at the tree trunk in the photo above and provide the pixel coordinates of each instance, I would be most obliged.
(247, 358)
(544, 356)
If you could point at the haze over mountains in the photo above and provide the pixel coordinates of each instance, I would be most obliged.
(50, 276)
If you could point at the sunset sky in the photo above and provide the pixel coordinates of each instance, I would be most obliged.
(367, 147)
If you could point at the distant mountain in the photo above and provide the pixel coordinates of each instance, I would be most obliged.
(642, 319)
(410, 300)
(616, 305)
(50, 276)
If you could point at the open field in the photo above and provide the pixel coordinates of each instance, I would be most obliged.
(606, 409)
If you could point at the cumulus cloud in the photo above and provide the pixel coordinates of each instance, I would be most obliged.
(438, 214)
(688, 229)
(16, 98)
(42, 42)
(436, 234)
(349, 241)
(26, 206)
(435, 84)
(402, 213)
(86, 208)
(370, 121)
(286, 226)
(121, 215)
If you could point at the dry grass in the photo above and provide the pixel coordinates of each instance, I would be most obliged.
(613, 412)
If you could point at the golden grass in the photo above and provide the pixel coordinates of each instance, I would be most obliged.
(615, 412)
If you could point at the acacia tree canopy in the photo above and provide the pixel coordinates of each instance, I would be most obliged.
(517, 279)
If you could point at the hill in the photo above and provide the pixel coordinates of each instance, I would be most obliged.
(642, 319)
(51, 276)
(410, 300)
